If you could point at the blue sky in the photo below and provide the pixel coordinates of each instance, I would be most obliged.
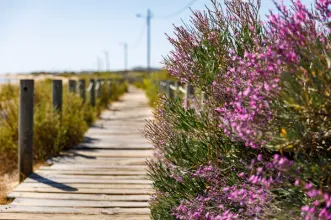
(68, 35)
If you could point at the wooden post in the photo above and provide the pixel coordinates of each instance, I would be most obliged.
(203, 99)
(25, 134)
(72, 86)
(98, 88)
(167, 89)
(160, 87)
(82, 92)
(57, 95)
(176, 92)
(109, 86)
(188, 93)
(92, 92)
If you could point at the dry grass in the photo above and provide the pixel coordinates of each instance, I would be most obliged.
(9, 181)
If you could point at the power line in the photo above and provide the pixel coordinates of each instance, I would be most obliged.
(141, 34)
(179, 11)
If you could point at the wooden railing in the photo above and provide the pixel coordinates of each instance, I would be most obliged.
(26, 109)
(172, 89)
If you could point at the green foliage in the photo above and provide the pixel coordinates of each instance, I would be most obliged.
(53, 131)
(187, 138)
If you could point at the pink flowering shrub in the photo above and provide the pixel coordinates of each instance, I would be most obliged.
(221, 201)
(261, 147)
(277, 82)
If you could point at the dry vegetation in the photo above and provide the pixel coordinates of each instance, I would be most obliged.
(51, 135)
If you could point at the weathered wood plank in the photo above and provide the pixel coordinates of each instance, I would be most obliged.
(29, 216)
(114, 153)
(85, 185)
(67, 210)
(101, 146)
(98, 161)
(78, 203)
(70, 180)
(60, 176)
(93, 172)
(88, 191)
(86, 197)
(121, 140)
(94, 167)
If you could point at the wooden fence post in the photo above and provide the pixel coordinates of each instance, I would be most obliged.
(160, 86)
(72, 86)
(98, 88)
(203, 99)
(25, 135)
(92, 92)
(109, 86)
(167, 89)
(188, 93)
(57, 95)
(176, 92)
(82, 92)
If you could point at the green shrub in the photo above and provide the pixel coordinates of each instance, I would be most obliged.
(52, 132)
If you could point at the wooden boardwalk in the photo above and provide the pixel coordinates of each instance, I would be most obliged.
(102, 178)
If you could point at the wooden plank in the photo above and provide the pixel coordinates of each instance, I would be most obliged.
(111, 153)
(107, 177)
(93, 172)
(127, 144)
(94, 167)
(59, 178)
(101, 145)
(67, 210)
(86, 197)
(70, 180)
(105, 161)
(29, 216)
(85, 185)
(88, 191)
(119, 139)
(78, 203)
(128, 131)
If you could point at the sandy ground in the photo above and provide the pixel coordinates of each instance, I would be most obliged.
(9, 181)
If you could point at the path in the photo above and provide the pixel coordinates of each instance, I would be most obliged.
(102, 178)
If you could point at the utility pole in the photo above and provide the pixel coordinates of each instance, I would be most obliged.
(107, 60)
(148, 20)
(149, 17)
(125, 46)
(99, 64)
